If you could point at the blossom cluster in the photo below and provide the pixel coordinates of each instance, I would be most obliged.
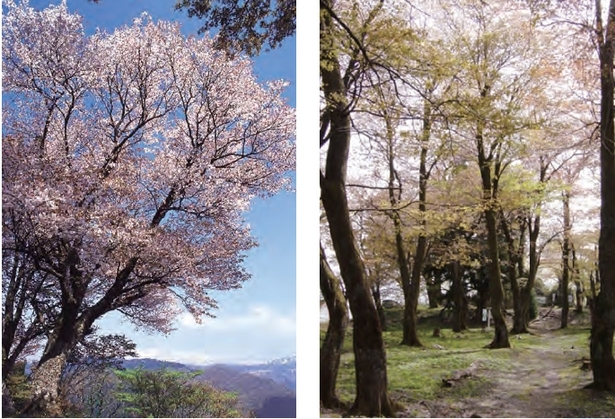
(134, 152)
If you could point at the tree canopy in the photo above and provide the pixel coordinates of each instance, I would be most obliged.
(129, 160)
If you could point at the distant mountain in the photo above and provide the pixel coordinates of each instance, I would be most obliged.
(253, 390)
(267, 389)
(156, 364)
(278, 407)
(283, 370)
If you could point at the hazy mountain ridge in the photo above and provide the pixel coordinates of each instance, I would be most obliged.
(268, 389)
(283, 370)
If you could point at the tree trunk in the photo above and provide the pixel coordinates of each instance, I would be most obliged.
(459, 321)
(434, 291)
(482, 297)
(515, 259)
(409, 284)
(534, 230)
(519, 325)
(370, 357)
(577, 283)
(519, 316)
(603, 318)
(69, 330)
(44, 382)
(500, 338)
(378, 301)
(409, 328)
(565, 260)
(331, 349)
(8, 408)
(410, 335)
(372, 397)
(489, 201)
(579, 297)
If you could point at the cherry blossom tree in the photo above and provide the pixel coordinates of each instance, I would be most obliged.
(128, 161)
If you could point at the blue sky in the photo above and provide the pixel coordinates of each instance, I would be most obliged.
(253, 324)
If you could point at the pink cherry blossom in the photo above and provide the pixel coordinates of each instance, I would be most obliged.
(129, 159)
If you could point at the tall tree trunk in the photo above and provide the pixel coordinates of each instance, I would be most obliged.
(515, 259)
(534, 230)
(331, 349)
(44, 382)
(410, 336)
(459, 321)
(489, 178)
(603, 318)
(566, 260)
(522, 317)
(372, 398)
(409, 329)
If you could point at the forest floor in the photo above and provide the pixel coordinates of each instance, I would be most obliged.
(540, 376)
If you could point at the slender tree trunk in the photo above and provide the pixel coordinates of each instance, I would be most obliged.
(409, 326)
(603, 318)
(565, 261)
(372, 398)
(577, 283)
(409, 322)
(489, 178)
(579, 297)
(331, 349)
(410, 313)
(410, 336)
(534, 230)
(525, 294)
(459, 321)
(378, 301)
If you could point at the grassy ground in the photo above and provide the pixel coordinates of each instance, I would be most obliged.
(539, 376)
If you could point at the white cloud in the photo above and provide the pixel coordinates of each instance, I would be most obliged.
(257, 317)
(256, 334)
(200, 358)
(173, 355)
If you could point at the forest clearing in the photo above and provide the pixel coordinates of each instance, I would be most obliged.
(541, 375)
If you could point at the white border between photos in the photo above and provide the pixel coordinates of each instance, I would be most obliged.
(308, 196)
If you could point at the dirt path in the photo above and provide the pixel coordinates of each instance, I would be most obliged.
(539, 377)
(536, 383)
